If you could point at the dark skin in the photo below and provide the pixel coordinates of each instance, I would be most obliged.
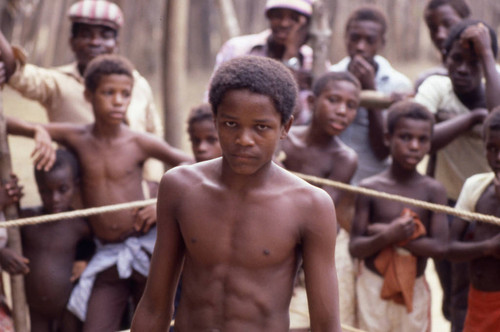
(378, 223)
(111, 157)
(483, 249)
(439, 21)
(315, 149)
(49, 251)
(364, 39)
(469, 59)
(241, 246)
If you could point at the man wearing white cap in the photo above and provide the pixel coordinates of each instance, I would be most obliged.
(94, 31)
(284, 41)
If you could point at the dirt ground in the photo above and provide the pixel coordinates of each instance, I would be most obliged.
(21, 148)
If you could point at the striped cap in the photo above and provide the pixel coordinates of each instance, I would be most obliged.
(96, 12)
(302, 6)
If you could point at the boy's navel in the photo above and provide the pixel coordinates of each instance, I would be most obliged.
(266, 252)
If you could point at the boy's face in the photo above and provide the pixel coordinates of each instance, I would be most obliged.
(111, 98)
(464, 68)
(285, 22)
(364, 38)
(92, 40)
(335, 108)
(56, 189)
(249, 128)
(439, 21)
(204, 140)
(410, 142)
(492, 144)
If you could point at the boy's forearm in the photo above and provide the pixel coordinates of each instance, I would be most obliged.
(459, 251)
(492, 78)
(19, 127)
(428, 247)
(7, 56)
(365, 246)
(447, 131)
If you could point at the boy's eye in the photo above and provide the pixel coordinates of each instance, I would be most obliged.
(333, 99)
(262, 127)
(212, 140)
(352, 104)
(230, 124)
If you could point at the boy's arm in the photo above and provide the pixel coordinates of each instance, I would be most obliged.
(478, 37)
(466, 251)
(446, 131)
(155, 309)
(435, 243)
(7, 57)
(365, 244)
(157, 148)
(318, 252)
(44, 154)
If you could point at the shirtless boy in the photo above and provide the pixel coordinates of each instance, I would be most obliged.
(481, 193)
(111, 157)
(380, 224)
(202, 133)
(317, 150)
(50, 249)
(240, 225)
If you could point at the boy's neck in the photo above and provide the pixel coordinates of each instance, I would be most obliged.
(315, 136)
(107, 131)
(244, 182)
(401, 174)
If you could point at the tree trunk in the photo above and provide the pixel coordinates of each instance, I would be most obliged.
(19, 306)
(174, 68)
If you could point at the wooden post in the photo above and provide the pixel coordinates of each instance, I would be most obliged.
(19, 306)
(320, 37)
(229, 20)
(174, 69)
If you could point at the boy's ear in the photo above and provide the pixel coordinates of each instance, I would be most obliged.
(286, 127)
(88, 95)
(387, 139)
(310, 101)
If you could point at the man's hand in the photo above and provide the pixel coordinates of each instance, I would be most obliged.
(11, 192)
(296, 38)
(44, 153)
(401, 228)
(13, 263)
(364, 71)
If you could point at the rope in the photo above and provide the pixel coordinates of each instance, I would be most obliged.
(467, 215)
(426, 205)
(348, 328)
(76, 213)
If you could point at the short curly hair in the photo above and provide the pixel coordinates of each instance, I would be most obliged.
(492, 122)
(105, 65)
(368, 13)
(407, 109)
(326, 78)
(200, 113)
(459, 6)
(259, 75)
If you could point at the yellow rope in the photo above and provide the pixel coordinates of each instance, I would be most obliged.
(76, 213)
(313, 179)
(426, 205)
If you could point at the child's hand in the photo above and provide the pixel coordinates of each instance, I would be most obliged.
(402, 228)
(145, 218)
(78, 268)
(296, 38)
(478, 37)
(44, 153)
(11, 192)
(13, 263)
(364, 71)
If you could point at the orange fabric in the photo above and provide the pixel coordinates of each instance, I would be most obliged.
(483, 311)
(399, 267)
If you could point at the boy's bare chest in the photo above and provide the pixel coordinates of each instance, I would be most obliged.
(384, 210)
(233, 230)
(313, 161)
(487, 204)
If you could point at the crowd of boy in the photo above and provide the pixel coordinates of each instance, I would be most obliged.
(231, 222)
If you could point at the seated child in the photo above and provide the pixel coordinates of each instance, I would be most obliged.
(202, 133)
(393, 240)
(316, 149)
(50, 248)
(481, 193)
(111, 157)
